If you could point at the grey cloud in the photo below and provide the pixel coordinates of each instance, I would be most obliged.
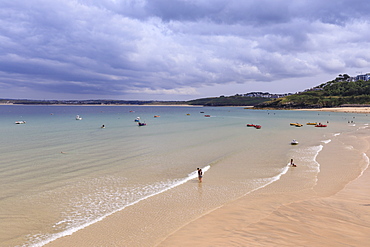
(248, 12)
(114, 47)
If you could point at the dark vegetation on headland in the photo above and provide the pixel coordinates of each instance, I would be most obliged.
(236, 100)
(217, 101)
(335, 93)
(338, 92)
(88, 102)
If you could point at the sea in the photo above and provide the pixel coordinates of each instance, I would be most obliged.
(59, 175)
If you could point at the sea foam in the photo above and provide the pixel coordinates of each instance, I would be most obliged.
(83, 222)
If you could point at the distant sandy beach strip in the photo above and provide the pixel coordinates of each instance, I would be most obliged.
(341, 109)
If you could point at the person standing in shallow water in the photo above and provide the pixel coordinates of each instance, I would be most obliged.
(200, 174)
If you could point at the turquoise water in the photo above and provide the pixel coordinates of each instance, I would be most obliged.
(59, 174)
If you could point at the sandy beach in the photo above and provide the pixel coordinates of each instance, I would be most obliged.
(333, 212)
(342, 109)
(279, 216)
(324, 215)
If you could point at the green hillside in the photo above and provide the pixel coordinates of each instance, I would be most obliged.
(344, 90)
(330, 94)
(228, 101)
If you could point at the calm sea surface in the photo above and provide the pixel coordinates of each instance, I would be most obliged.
(59, 174)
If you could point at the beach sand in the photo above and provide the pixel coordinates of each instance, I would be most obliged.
(333, 212)
(322, 216)
(342, 109)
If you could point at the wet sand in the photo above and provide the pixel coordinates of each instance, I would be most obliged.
(332, 212)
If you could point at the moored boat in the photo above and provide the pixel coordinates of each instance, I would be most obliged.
(141, 124)
(311, 123)
(320, 125)
(207, 115)
(294, 142)
(137, 119)
(20, 122)
(254, 125)
(296, 124)
(78, 117)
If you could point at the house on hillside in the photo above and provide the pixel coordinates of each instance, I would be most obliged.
(265, 95)
(365, 77)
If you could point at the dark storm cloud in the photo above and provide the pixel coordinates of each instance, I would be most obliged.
(108, 47)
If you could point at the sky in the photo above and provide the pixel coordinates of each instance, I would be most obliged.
(177, 49)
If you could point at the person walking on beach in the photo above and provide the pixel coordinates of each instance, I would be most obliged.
(200, 174)
(292, 163)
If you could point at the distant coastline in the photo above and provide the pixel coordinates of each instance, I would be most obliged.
(239, 101)
(89, 102)
(365, 109)
(11, 104)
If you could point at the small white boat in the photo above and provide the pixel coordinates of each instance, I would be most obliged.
(294, 142)
(78, 117)
(20, 122)
(137, 119)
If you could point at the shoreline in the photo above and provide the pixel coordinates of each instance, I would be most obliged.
(276, 215)
(11, 104)
(340, 109)
(356, 109)
(324, 217)
(171, 105)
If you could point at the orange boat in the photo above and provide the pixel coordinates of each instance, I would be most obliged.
(296, 124)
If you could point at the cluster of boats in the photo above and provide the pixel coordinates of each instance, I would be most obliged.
(316, 124)
(295, 142)
(292, 124)
(138, 120)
